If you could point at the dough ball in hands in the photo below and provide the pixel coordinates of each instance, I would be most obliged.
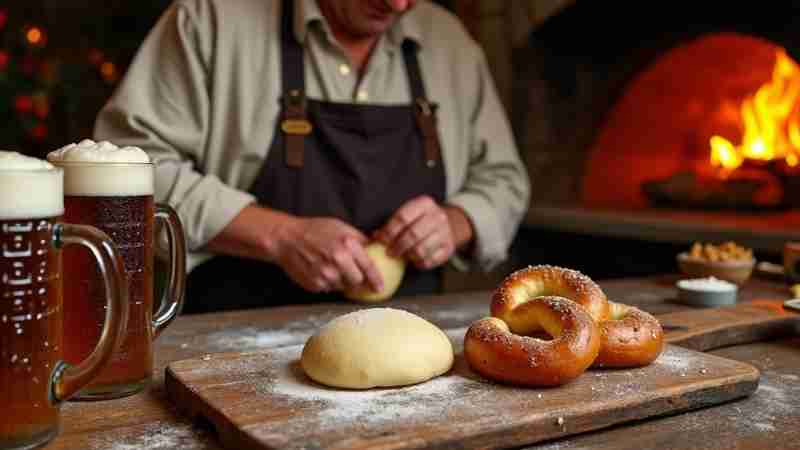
(377, 347)
(391, 269)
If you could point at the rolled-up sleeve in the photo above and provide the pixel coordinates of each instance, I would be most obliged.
(162, 106)
(496, 190)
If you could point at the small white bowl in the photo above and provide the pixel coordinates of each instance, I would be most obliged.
(708, 291)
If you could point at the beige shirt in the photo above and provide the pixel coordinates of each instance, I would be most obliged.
(201, 97)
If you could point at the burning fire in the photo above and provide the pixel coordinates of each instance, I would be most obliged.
(771, 120)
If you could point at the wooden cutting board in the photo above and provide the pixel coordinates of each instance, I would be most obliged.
(703, 329)
(263, 400)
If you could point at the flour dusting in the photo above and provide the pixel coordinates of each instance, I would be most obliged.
(156, 436)
(458, 315)
(674, 361)
(435, 397)
(255, 338)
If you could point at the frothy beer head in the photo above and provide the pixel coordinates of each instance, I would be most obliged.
(102, 169)
(29, 188)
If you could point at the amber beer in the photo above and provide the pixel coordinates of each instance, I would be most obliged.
(129, 222)
(33, 377)
(30, 329)
(117, 198)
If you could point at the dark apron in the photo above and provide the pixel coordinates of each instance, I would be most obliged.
(358, 163)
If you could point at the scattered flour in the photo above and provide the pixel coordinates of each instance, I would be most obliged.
(673, 361)
(458, 315)
(297, 332)
(156, 436)
(435, 397)
(765, 427)
(254, 338)
(251, 338)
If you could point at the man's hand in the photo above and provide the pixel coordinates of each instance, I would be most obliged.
(319, 254)
(425, 233)
(326, 254)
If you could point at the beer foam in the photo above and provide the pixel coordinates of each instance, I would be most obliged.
(30, 188)
(88, 150)
(102, 169)
(18, 161)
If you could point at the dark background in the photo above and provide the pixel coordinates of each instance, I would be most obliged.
(52, 89)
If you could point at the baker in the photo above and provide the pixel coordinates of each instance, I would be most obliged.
(289, 134)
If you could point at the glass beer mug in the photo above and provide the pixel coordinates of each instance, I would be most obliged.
(111, 188)
(34, 379)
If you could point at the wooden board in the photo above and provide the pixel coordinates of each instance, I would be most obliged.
(263, 400)
(705, 329)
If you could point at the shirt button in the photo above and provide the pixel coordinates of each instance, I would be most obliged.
(362, 95)
(344, 69)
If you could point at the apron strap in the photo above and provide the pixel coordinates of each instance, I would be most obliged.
(295, 124)
(294, 117)
(424, 110)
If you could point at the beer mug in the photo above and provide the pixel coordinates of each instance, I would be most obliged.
(111, 188)
(34, 379)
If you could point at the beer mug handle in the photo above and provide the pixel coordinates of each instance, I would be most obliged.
(172, 299)
(68, 379)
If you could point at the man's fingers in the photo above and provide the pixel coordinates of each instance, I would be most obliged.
(345, 261)
(404, 217)
(418, 232)
(330, 276)
(350, 232)
(371, 275)
(301, 273)
(432, 252)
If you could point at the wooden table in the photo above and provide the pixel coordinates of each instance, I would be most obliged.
(767, 420)
(761, 231)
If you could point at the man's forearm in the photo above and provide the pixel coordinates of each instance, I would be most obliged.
(461, 227)
(256, 233)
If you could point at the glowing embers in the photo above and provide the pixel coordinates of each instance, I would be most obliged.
(770, 121)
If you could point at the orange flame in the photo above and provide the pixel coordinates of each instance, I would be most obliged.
(771, 121)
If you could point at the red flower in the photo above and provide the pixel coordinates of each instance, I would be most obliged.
(23, 104)
(39, 131)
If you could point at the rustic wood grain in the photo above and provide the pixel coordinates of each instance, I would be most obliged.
(744, 323)
(148, 421)
(263, 400)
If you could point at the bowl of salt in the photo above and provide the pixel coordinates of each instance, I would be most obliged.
(709, 291)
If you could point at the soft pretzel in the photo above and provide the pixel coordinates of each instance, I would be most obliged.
(535, 281)
(630, 338)
(493, 351)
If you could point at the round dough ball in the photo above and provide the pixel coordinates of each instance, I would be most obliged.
(377, 347)
(391, 270)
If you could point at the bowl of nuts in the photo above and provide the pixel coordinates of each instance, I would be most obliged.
(727, 261)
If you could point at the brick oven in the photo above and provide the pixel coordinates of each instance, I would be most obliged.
(648, 126)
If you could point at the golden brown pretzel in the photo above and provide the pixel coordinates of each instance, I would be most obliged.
(493, 351)
(535, 281)
(630, 338)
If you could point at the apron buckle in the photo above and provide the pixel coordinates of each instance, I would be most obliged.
(301, 127)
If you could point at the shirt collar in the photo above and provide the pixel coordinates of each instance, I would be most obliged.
(307, 12)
